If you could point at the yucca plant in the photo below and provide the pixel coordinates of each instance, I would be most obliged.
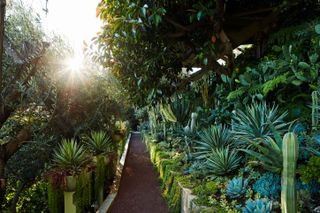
(99, 143)
(256, 120)
(222, 161)
(215, 137)
(70, 157)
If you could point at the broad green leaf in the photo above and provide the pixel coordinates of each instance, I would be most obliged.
(304, 65)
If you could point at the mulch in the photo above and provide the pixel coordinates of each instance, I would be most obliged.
(139, 187)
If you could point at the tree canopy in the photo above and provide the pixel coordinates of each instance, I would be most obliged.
(146, 43)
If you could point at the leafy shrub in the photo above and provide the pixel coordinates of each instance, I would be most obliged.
(237, 187)
(70, 156)
(257, 206)
(222, 161)
(215, 137)
(256, 119)
(310, 171)
(268, 185)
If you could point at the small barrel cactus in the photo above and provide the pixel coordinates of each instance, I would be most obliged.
(257, 206)
(237, 187)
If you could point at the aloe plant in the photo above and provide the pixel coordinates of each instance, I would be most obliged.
(256, 120)
(215, 137)
(290, 148)
(70, 156)
(98, 143)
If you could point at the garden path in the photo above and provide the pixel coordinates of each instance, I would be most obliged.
(139, 190)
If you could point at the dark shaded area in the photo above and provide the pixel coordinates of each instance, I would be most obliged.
(139, 188)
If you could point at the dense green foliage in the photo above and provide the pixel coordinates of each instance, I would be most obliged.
(310, 171)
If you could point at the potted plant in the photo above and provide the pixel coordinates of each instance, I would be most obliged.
(100, 146)
(70, 157)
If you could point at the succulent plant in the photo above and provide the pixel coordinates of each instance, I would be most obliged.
(290, 150)
(70, 157)
(268, 153)
(98, 143)
(237, 187)
(215, 137)
(268, 185)
(256, 120)
(257, 206)
(299, 128)
(222, 161)
(313, 187)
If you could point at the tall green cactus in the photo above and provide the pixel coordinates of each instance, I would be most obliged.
(288, 180)
(193, 121)
(315, 109)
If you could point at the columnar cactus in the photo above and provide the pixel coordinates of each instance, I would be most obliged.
(315, 109)
(193, 121)
(288, 180)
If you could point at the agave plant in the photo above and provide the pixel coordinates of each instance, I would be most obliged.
(222, 161)
(99, 143)
(181, 108)
(237, 187)
(215, 137)
(256, 120)
(70, 157)
(268, 153)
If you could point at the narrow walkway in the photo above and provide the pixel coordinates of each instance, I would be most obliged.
(139, 187)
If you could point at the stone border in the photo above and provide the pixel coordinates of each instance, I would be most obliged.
(116, 183)
(187, 204)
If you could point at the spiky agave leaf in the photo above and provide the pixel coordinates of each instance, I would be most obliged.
(256, 120)
(268, 153)
(212, 138)
(70, 156)
(98, 143)
(223, 161)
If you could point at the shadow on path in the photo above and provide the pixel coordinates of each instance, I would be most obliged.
(139, 187)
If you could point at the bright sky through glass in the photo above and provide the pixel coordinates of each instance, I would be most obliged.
(75, 19)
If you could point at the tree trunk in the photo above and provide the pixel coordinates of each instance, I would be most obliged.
(2, 18)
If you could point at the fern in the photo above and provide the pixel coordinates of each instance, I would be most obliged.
(273, 83)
